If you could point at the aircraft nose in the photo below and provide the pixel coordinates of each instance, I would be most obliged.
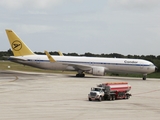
(152, 69)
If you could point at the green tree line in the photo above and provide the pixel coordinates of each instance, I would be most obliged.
(154, 59)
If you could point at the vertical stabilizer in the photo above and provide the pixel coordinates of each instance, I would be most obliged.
(19, 48)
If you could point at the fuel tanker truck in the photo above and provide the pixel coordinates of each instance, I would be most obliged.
(110, 91)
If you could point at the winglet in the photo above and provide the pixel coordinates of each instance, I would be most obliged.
(60, 53)
(49, 57)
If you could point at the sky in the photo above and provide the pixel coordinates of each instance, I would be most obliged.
(80, 26)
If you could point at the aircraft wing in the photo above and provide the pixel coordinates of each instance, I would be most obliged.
(79, 66)
(7, 57)
(75, 66)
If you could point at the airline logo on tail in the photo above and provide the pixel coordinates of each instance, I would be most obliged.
(17, 45)
(19, 48)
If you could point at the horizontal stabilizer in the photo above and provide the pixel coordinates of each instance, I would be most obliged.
(7, 57)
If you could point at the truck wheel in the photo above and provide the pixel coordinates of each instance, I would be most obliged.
(100, 99)
(110, 98)
(113, 97)
(128, 96)
(89, 99)
(104, 98)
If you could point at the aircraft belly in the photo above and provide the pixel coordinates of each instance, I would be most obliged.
(53, 66)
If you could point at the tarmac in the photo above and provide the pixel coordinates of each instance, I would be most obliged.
(47, 96)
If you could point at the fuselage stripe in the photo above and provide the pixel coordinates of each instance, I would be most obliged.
(90, 63)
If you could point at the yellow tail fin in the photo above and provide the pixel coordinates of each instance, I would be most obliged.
(19, 48)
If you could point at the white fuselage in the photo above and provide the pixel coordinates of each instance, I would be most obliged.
(115, 65)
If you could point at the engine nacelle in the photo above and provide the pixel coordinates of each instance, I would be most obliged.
(97, 71)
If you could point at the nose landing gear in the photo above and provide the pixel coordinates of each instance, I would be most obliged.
(144, 76)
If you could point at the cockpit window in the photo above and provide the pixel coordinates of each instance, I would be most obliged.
(151, 64)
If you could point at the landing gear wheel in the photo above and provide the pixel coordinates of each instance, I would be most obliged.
(144, 77)
(83, 75)
(77, 75)
(89, 99)
(80, 75)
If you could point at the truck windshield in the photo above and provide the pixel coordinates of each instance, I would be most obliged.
(96, 89)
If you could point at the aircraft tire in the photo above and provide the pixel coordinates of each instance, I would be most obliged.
(144, 78)
(80, 75)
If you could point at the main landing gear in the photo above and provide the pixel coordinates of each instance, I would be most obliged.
(80, 74)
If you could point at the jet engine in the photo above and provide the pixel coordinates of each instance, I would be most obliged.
(97, 71)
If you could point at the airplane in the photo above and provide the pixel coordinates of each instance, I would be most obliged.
(93, 65)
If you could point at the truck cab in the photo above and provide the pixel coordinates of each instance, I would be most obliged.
(96, 93)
